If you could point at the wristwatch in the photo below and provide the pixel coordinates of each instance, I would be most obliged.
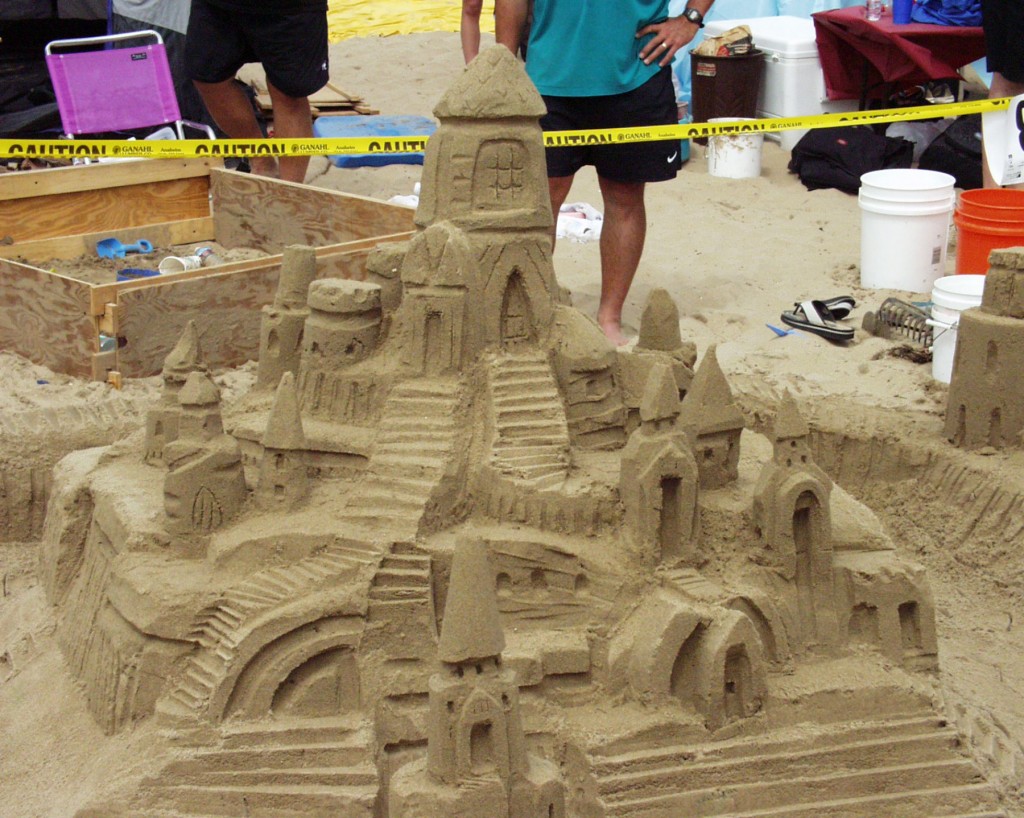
(694, 17)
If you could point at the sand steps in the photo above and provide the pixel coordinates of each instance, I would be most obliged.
(402, 577)
(219, 628)
(903, 767)
(531, 441)
(300, 769)
(415, 443)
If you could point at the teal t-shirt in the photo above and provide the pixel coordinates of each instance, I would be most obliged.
(588, 48)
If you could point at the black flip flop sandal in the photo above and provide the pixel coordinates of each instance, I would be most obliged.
(816, 317)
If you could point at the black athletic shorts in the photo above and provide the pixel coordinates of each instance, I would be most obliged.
(292, 47)
(653, 103)
(1003, 21)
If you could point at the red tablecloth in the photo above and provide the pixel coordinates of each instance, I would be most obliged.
(904, 55)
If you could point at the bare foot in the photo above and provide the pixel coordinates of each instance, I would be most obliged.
(613, 332)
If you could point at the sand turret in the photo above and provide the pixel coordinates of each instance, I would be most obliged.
(282, 322)
(658, 477)
(204, 486)
(476, 762)
(986, 393)
(792, 512)
(659, 323)
(283, 482)
(713, 422)
(162, 419)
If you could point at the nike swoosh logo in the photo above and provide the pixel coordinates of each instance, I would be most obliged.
(672, 158)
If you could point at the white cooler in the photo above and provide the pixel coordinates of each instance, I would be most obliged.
(792, 84)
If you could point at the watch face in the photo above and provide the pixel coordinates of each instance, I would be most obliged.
(693, 16)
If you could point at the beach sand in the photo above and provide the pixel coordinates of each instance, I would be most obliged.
(733, 254)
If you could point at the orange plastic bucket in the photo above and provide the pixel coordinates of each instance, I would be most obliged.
(995, 203)
(984, 224)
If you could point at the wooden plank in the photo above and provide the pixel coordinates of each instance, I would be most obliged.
(103, 209)
(164, 234)
(45, 317)
(268, 214)
(225, 307)
(51, 181)
(104, 363)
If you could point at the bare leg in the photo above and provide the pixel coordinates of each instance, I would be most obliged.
(1001, 87)
(231, 110)
(292, 120)
(558, 188)
(469, 28)
(622, 242)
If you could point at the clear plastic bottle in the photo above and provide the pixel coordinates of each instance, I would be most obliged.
(874, 10)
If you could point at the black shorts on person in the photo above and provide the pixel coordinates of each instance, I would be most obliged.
(1003, 21)
(292, 46)
(653, 103)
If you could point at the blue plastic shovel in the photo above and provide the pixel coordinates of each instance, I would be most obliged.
(112, 248)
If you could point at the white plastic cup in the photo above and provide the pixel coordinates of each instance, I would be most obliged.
(179, 264)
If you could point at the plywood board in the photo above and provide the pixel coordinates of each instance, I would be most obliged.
(226, 308)
(253, 211)
(45, 317)
(103, 209)
(78, 178)
(185, 231)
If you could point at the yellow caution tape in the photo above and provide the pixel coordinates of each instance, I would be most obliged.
(241, 148)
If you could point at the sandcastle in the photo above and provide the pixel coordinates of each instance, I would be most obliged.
(986, 394)
(457, 556)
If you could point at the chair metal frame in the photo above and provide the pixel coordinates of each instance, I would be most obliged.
(115, 88)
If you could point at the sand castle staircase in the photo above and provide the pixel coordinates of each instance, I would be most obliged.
(294, 769)
(220, 628)
(416, 442)
(403, 581)
(531, 434)
(402, 616)
(906, 766)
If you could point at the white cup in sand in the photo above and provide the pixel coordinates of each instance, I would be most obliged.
(179, 264)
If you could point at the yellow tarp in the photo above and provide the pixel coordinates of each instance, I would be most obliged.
(357, 18)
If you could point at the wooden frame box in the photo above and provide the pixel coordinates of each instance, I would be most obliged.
(56, 320)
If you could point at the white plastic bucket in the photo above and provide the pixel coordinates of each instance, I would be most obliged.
(951, 295)
(904, 228)
(735, 156)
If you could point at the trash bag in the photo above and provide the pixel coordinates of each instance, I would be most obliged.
(957, 151)
(838, 157)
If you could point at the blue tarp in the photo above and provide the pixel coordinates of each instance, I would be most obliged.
(370, 126)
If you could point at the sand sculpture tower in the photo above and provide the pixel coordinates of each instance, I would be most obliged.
(283, 483)
(713, 422)
(162, 419)
(792, 513)
(343, 329)
(986, 395)
(485, 250)
(476, 762)
(659, 480)
(659, 332)
(282, 322)
(205, 485)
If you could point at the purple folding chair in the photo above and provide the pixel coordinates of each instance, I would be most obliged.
(115, 88)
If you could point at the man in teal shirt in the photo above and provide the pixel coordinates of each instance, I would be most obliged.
(606, 64)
